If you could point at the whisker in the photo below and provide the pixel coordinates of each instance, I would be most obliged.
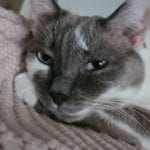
(119, 111)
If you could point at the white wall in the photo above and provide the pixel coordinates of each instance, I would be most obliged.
(25, 10)
(82, 7)
(91, 7)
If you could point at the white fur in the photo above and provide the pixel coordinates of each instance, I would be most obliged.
(24, 86)
(89, 66)
(132, 95)
(80, 39)
(82, 113)
(78, 115)
(25, 90)
(35, 65)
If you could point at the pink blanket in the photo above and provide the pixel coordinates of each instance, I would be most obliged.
(20, 126)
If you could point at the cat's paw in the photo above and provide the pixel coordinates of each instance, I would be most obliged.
(25, 90)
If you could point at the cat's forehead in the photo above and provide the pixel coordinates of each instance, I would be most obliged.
(88, 34)
(83, 34)
(79, 31)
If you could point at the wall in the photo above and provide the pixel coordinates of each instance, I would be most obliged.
(82, 7)
(25, 10)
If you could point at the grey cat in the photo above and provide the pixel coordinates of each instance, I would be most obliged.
(90, 70)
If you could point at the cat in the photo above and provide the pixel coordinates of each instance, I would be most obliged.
(90, 70)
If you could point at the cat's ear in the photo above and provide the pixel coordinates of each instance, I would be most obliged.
(132, 19)
(42, 9)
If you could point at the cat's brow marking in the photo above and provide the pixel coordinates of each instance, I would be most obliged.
(80, 39)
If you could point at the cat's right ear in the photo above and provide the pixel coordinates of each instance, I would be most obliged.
(131, 19)
(44, 9)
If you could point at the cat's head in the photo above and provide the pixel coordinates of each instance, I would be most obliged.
(75, 61)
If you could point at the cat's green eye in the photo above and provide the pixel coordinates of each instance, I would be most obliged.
(97, 64)
(44, 58)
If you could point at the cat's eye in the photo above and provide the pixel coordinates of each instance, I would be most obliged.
(97, 64)
(44, 58)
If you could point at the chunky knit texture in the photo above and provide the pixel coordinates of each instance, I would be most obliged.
(21, 128)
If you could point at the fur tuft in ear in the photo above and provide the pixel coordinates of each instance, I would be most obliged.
(42, 8)
(132, 18)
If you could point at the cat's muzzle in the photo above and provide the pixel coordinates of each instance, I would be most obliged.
(66, 112)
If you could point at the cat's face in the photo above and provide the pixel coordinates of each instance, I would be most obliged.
(74, 61)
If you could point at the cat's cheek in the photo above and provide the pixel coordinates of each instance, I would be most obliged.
(25, 90)
(34, 66)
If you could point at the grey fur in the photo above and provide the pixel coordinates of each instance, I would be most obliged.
(68, 83)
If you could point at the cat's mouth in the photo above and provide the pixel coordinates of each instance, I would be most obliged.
(66, 113)
(69, 114)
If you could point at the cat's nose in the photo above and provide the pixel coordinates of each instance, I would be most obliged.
(58, 98)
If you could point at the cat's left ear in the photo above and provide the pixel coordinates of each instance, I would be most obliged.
(42, 9)
(132, 19)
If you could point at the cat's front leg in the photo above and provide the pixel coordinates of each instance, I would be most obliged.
(25, 89)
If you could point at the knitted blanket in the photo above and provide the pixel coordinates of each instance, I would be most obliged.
(21, 128)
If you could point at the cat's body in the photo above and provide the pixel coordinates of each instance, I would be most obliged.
(87, 69)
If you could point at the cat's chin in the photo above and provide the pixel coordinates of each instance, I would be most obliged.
(63, 114)
(71, 117)
(66, 117)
